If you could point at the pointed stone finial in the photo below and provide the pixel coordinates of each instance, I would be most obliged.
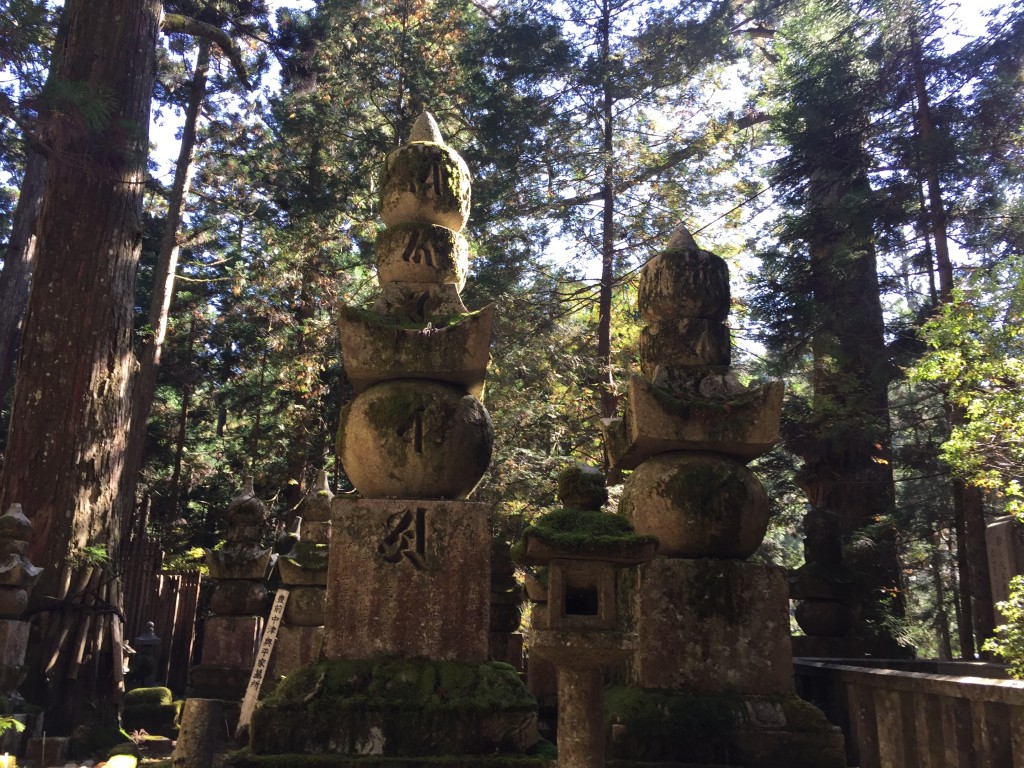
(681, 239)
(425, 129)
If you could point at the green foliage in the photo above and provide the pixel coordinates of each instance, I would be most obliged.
(1008, 642)
(976, 356)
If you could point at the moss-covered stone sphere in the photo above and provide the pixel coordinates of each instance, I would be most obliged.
(697, 504)
(422, 253)
(425, 183)
(582, 487)
(415, 439)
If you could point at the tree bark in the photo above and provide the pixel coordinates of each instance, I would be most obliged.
(16, 277)
(968, 501)
(606, 380)
(144, 385)
(65, 451)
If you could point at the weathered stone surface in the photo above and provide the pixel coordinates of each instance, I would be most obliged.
(698, 505)
(712, 626)
(246, 516)
(295, 648)
(708, 382)
(376, 351)
(293, 573)
(13, 602)
(409, 578)
(569, 648)
(415, 439)
(218, 681)
(306, 606)
(10, 571)
(422, 253)
(316, 532)
(13, 642)
(425, 183)
(238, 562)
(238, 598)
(684, 283)
(415, 304)
(683, 342)
(14, 524)
(743, 427)
(231, 640)
(13, 547)
(397, 708)
(686, 728)
(202, 723)
(581, 738)
(316, 504)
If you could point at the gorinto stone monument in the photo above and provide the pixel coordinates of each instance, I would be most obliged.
(711, 676)
(404, 670)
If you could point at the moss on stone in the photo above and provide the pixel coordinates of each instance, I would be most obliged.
(582, 487)
(309, 555)
(148, 696)
(658, 724)
(414, 706)
(408, 167)
(584, 530)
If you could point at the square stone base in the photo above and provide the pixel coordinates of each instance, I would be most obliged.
(408, 578)
(712, 626)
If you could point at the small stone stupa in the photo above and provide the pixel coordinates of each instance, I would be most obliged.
(711, 679)
(405, 673)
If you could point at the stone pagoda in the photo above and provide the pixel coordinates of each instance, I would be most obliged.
(404, 671)
(17, 578)
(711, 679)
(239, 570)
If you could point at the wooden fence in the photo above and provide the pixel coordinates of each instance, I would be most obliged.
(899, 719)
(167, 598)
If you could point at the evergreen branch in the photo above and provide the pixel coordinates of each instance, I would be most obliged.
(175, 22)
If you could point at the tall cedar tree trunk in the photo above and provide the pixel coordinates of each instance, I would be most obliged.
(968, 502)
(144, 386)
(606, 381)
(70, 416)
(846, 467)
(16, 277)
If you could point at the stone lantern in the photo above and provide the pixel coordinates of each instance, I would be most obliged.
(580, 630)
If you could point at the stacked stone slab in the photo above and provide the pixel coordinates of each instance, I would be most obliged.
(231, 634)
(713, 629)
(17, 577)
(303, 571)
(405, 665)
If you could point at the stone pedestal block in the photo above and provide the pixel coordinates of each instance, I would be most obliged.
(378, 349)
(743, 426)
(306, 607)
(408, 578)
(712, 626)
(231, 640)
(295, 648)
(238, 598)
